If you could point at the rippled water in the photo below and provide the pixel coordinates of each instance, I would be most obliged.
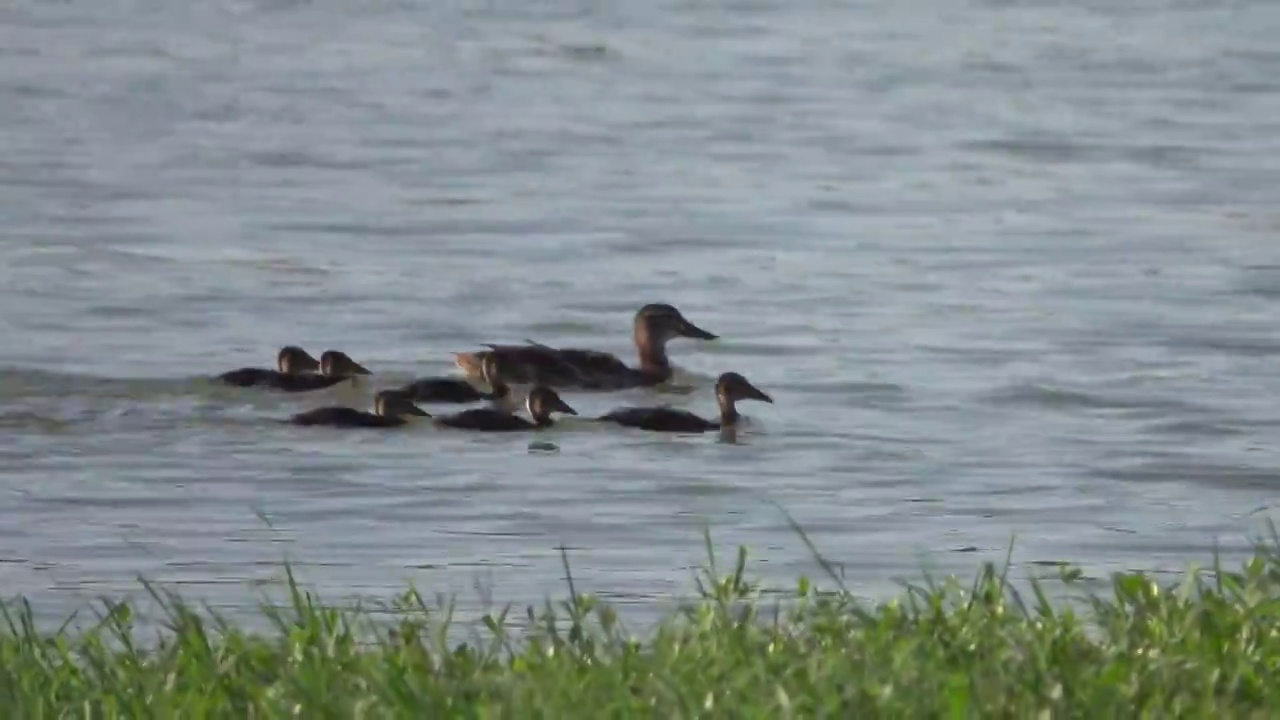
(1006, 267)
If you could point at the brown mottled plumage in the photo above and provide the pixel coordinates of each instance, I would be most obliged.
(654, 325)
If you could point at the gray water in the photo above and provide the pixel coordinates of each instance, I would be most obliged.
(1010, 270)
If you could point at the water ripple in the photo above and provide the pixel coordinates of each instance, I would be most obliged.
(1004, 277)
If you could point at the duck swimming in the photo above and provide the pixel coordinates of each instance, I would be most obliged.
(654, 325)
(444, 390)
(390, 409)
(456, 390)
(296, 372)
(730, 388)
(542, 401)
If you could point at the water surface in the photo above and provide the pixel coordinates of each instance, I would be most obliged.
(1008, 268)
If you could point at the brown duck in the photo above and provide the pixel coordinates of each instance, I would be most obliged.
(535, 363)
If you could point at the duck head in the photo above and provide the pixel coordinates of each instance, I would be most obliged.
(543, 401)
(338, 363)
(392, 403)
(660, 322)
(293, 360)
(732, 387)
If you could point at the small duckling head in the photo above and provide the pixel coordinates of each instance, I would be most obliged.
(392, 403)
(660, 322)
(338, 363)
(732, 387)
(543, 401)
(293, 360)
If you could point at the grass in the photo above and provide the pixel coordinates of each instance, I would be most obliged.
(1207, 646)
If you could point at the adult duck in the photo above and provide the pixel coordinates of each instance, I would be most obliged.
(654, 326)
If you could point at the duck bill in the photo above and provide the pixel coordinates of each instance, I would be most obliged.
(755, 393)
(690, 330)
(416, 411)
(563, 407)
(358, 369)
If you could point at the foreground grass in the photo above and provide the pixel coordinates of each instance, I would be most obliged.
(1208, 646)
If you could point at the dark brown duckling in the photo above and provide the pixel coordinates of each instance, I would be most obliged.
(390, 409)
(296, 372)
(457, 390)
(730, 388)
(653, 327)
(444, 390)
(542, 401)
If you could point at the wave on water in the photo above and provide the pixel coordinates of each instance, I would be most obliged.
(46, 401)
(873, 391)
(27, 383)
(22, 419)
(1045, 396)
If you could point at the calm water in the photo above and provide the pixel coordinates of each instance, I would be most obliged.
(1007, 268)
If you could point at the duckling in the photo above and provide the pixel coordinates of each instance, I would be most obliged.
(730, 388)
(654, 325)
(455, 390)
(295, 373)
(542, 401)
(444, 390)
(390, 409)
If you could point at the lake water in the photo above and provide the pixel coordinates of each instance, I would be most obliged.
(1008, 269)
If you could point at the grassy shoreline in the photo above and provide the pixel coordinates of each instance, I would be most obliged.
(1207, 645)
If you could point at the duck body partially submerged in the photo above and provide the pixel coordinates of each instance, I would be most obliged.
(542, 401)
(345, 417)
(489, 419)
(391, 409)
(295, 372)
(261, 377)
(538, 364)
(730, 388)
(659, 419)
(455, 390)
(535, 363)
(445, 390)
